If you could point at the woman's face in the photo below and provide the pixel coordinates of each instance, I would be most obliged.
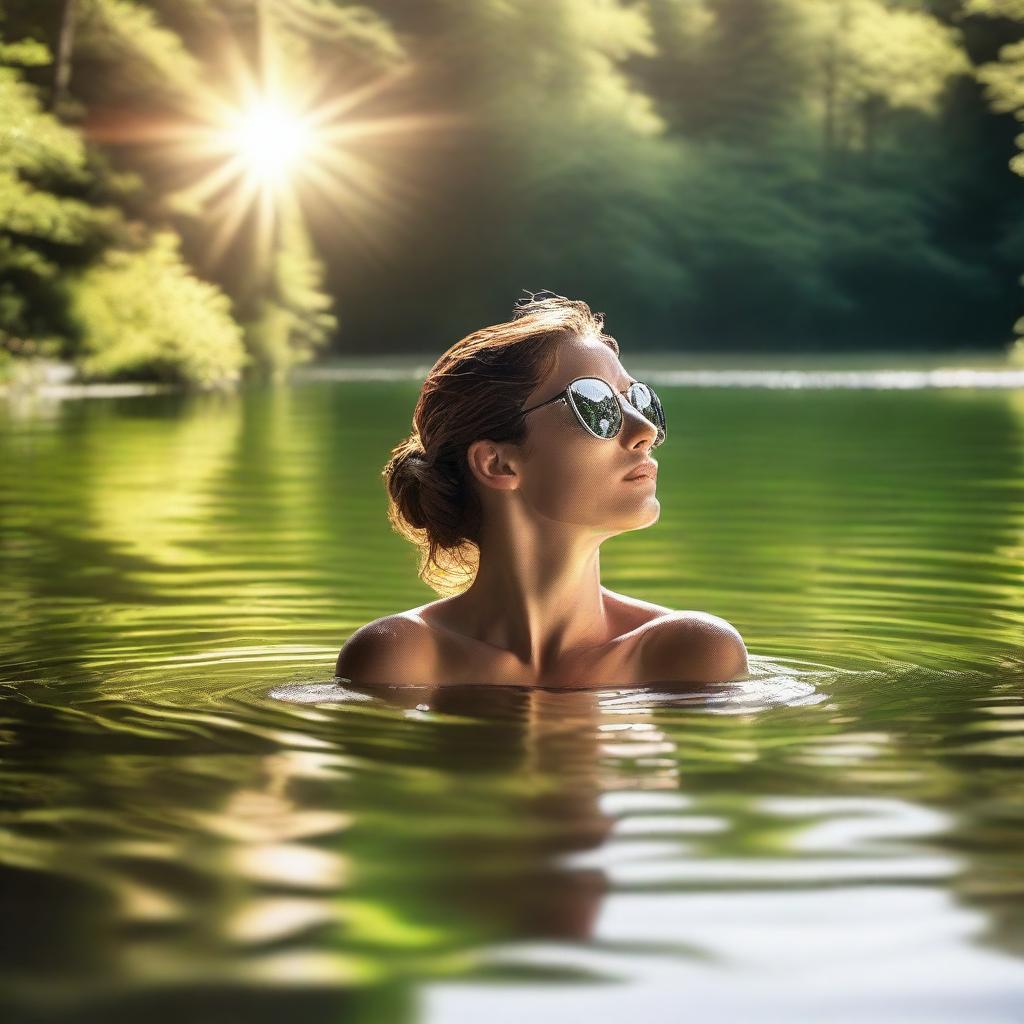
(569, 475)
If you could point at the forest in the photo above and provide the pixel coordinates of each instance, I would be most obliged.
(201, 191)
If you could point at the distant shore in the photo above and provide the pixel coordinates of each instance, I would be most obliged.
(965, 368)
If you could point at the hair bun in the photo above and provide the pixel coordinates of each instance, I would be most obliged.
(418, 457)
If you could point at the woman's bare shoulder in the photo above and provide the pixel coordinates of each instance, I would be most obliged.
(693, 646)
(396, 649)
(632, 612)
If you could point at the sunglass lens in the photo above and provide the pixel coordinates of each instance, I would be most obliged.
(597, 406)
(647, 402)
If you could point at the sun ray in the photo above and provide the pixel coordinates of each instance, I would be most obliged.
(215, 181)
(238, 206)
(333, 109)
(399, 124)
(358, 226)
(258, 136)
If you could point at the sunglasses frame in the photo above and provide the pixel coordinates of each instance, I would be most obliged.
(563, 396)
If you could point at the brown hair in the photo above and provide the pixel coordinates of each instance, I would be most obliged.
(475, 390)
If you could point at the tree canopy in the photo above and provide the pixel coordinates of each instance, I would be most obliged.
(713, 174)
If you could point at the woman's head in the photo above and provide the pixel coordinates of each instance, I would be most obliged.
(471, 445)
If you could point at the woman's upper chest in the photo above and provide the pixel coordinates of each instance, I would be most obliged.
(462, 659)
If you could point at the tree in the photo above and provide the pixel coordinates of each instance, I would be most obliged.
(77, 278)
(42, 228)
(142, 313)
(1004, 82)
(879, 59)
(285, 44)
(156, 63)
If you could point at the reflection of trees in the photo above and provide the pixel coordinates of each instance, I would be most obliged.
(147, 528)
(150, 470)
(119, 496)
(266, 513)
(358, 851)
(471, 804)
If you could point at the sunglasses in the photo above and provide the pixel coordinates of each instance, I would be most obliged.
(597, 407)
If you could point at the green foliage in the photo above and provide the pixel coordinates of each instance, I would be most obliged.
(137, 53)
(570, 73)
(144, 314)
(737, 173)
(124, 54)
(748, 69)
(1004, 79)
(996, 8)
(315, 27)
(294, 319)
(903, 58)
(25, 52)
(732, 69)
(1004, 82)
(39, 227)
(746, 173)
(560, 137)
(292, 316)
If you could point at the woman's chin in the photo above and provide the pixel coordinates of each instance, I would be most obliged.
(646, 512)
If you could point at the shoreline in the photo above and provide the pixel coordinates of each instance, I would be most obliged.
(882, 371)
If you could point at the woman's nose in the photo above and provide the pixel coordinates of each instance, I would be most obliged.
(630, 428)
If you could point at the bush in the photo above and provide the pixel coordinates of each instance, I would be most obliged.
(143, 314)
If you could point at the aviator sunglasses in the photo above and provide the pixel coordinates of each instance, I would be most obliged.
(597, 407)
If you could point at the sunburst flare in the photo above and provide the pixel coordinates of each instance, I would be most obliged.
(259, 142)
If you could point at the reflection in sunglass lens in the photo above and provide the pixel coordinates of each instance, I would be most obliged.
(597, 406)
(647, 403)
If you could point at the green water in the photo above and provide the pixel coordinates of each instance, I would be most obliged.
(195, 826)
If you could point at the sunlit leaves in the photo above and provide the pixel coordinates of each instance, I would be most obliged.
(996, 8)
(902, 57)
(37, 156)
(1004, 81)
(137, 51)
(24, 52)
(295, 318)
(540, 61)
(143, 313)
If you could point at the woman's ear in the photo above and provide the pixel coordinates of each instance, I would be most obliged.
(494, 464)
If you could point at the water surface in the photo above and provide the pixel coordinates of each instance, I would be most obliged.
(197, 824)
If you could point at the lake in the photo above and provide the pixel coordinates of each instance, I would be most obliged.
(197, 825)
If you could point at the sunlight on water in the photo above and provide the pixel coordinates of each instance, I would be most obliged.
(198, 816)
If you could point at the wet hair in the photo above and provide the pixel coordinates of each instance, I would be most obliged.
(475, 390)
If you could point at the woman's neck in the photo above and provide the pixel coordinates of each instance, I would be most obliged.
(538, 601)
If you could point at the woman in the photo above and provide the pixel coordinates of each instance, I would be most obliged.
(531, 446)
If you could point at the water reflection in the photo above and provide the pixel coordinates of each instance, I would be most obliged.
(207, 530)
(835, 839)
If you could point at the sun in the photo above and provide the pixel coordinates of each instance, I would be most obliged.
(270, 137)
(256, 143)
